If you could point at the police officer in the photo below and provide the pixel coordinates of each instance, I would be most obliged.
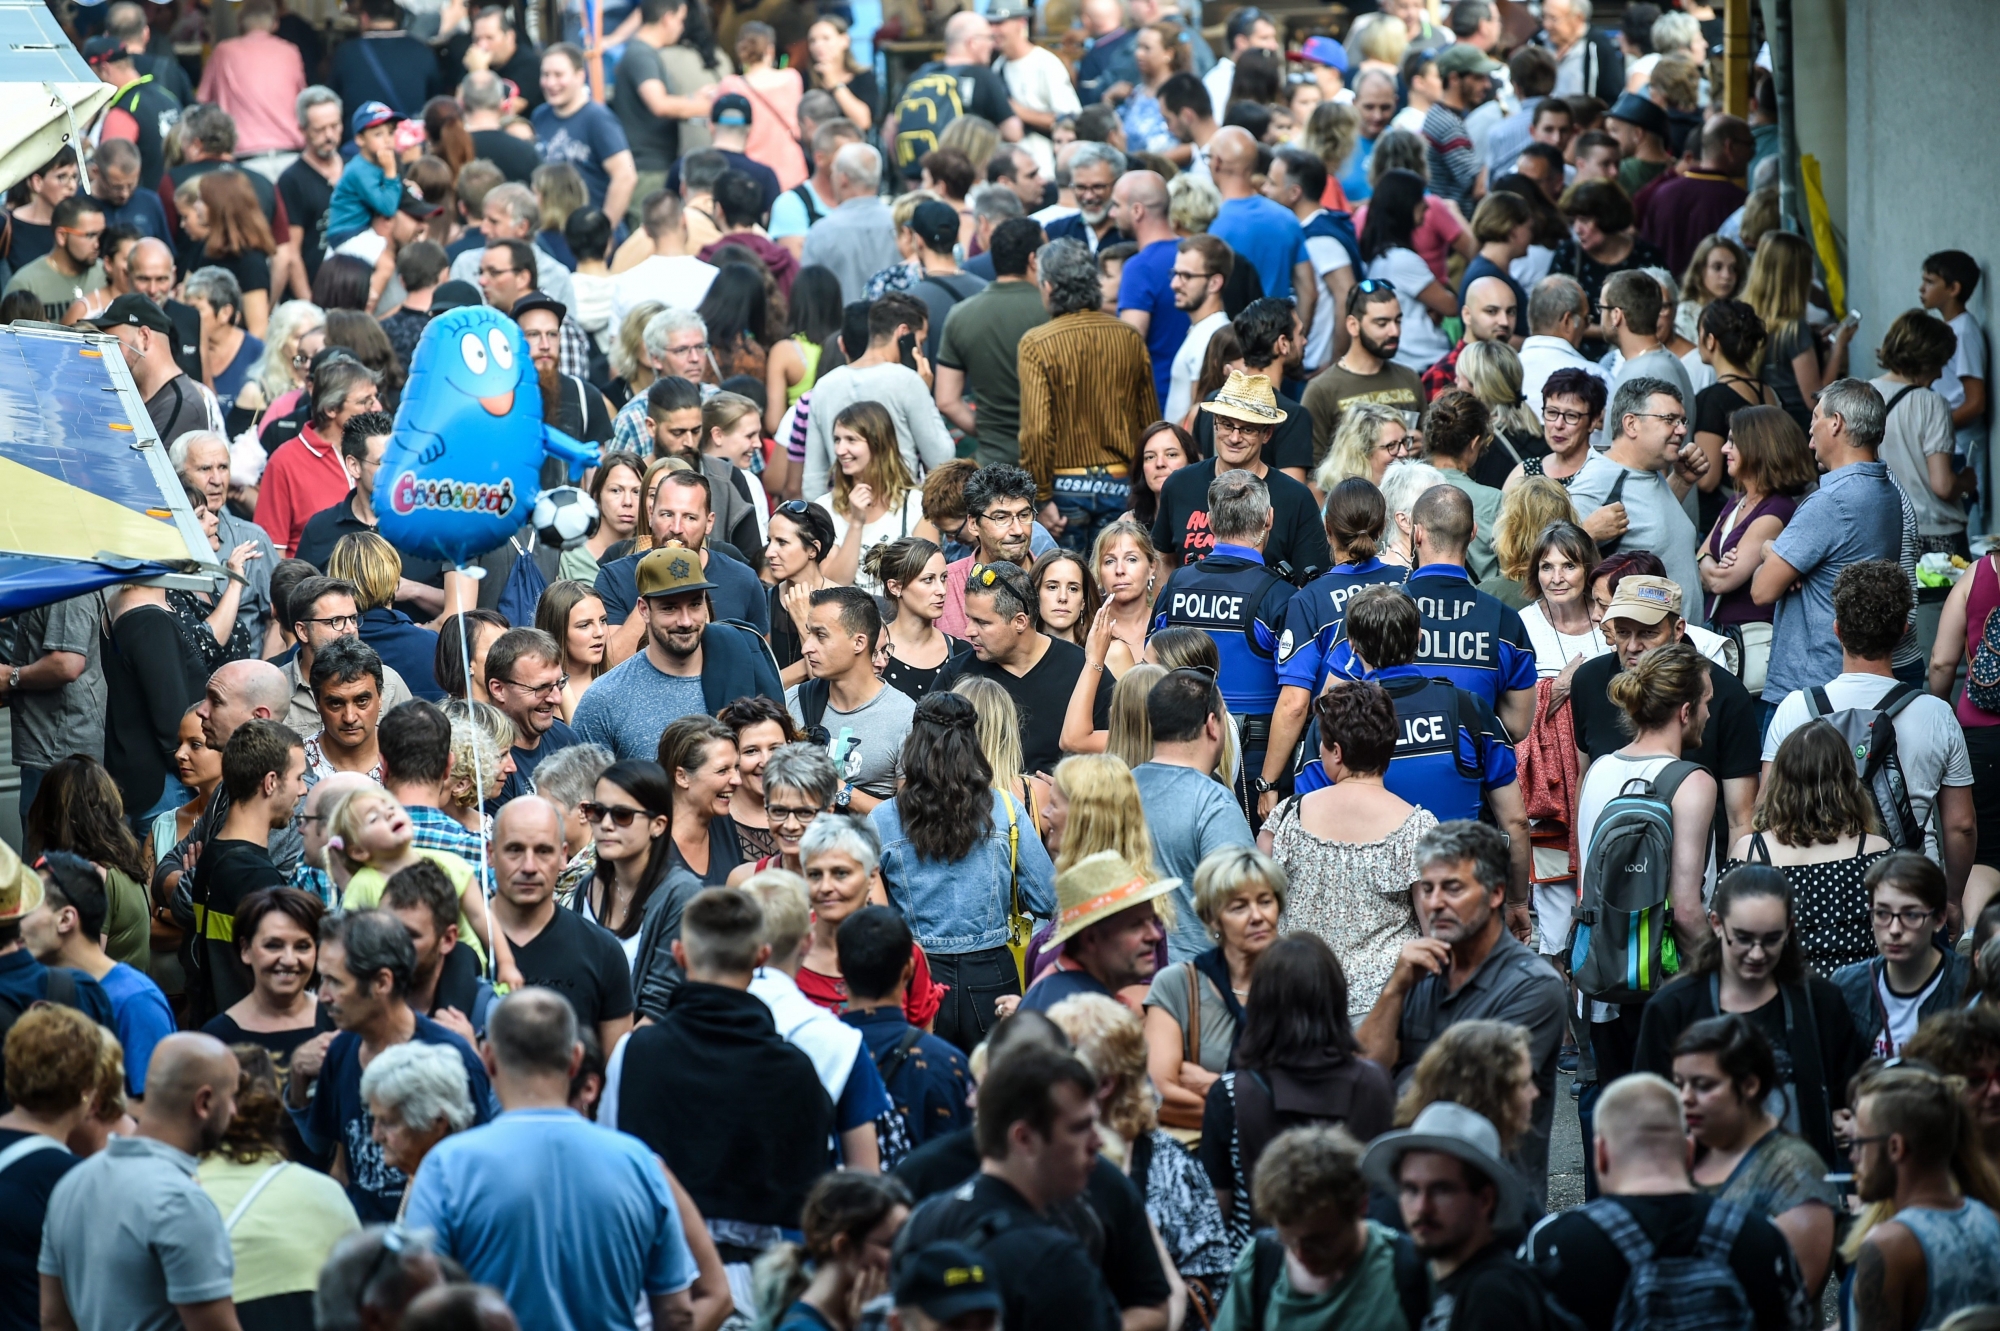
(1468, 637)
(1356, 516)
(1451, 756)
(1237, 601)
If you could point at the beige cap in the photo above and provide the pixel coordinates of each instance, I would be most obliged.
(1645, 598)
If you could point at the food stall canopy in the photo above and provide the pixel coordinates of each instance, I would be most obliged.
(48, 96)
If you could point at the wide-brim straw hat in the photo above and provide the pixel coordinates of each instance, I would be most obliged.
(1247, 397)
(1099, 886)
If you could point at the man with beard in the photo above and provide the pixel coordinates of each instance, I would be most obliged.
(114, 183)
(1368, 372)
(1094, 169)
(679, 508)
(307, 184)
(1268, 331)
(1202, 265)
(689, 664)
(70, 269)
(568, 403)
(130, 1238)
(177, 402)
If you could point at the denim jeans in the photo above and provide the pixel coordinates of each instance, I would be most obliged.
(1088, 504)
(31, 781)
(975, 980)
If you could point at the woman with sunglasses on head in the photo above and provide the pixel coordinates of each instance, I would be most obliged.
(631, 817)
(911, 572)
(762, 728)
(1725, 1069)
(799, 782)
(801, 538)
(1748, 962)
(699, 756)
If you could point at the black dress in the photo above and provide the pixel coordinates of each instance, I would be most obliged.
(916, 681)
(1590, 274)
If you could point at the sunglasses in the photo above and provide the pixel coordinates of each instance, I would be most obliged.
(1370, 286)
(621, 815)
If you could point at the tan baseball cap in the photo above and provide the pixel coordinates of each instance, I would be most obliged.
(1644, 599)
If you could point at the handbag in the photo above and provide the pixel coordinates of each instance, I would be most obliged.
(1982, 672)
(1173, 1116)
(1020, 928)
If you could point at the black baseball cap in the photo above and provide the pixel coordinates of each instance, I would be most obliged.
(539, 300)
(104, 51)
(947, 1280)
(935, 224)
(732, 108)
(414, 204)
(456, 294)
(134, 311)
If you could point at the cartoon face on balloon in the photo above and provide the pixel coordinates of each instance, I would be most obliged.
(463, 465)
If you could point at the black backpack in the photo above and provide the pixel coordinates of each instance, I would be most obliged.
(61, 991)
(1413, 1279)
(930, 101)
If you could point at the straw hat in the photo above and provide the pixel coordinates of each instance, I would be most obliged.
(1247, 397)
(1099, 886)
(20, 886)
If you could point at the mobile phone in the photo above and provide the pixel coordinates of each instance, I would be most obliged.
(1853, 319)
(906, 349)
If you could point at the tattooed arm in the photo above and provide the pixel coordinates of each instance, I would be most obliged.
(1890, 1284)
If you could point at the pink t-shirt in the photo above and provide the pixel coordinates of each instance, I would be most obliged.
(1434, 238)
(774, 125)
(257, 78)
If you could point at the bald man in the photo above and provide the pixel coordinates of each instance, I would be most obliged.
(1264, 234)
(150, 270)
(575, 956)
(130, 1239)
(1146, 287)
(318, 873)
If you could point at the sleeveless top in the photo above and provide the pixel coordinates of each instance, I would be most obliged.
(1737, 607)
(1983, 600)
(1958, 1257)
(809, 352)
(1832, 904)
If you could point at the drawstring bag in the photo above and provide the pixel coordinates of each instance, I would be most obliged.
(525, 584)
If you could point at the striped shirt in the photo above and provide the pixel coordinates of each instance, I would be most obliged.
(1454, 163)
(1086, 394)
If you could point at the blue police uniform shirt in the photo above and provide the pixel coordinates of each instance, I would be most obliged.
(1472, 639)
(1316, 617)
(1450, 749)
(1239, 602)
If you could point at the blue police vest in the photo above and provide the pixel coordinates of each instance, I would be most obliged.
(1316, 615)
(1238, 602)
(1431, 766)
(1461, 635)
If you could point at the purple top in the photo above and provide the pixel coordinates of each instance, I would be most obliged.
(1737, 607)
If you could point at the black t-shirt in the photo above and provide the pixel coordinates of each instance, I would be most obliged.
(582, 962)
(1729, 748)
(150, 680)
(1290, 445)
(1582, 1268)
(228, 872)
(307, 195)
(280, 1045)
(1181, 533)
(1041, 697)
(1496, 463)
(981, 92)
(390, 67)
(24, 1202)
(655, 139)
(516, 158)
(1493, 1291)
(458, 982)
(251, 268)
(1045, 1279)
(865, 87)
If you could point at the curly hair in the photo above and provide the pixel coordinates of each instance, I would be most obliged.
(1355, 442)
(1111, 1041)
(1871, 607)
(946, 801)
(1360, 720)
(1479, 1064)
(52, 1058)
(1963, 1042)
(1070, 275)
(1527, 511)
(255, 1130)
(1309, 1169)
(1813, 796)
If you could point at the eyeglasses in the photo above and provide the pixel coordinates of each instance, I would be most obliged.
(692, 349)
(1751, 942)
(1854, 1144)
(1181, 276)
(484, 271)
(621, 815)
(1556, 417)
(1912, 917)
(1024, 517)
(1406, 447)
(1671, 418)
(561, 682)
(779, 815)
(1244, 429)
(1370, 286)
(338, 623)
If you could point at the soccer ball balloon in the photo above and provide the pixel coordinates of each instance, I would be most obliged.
(564, 517)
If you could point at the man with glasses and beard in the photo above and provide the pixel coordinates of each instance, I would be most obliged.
(509, 273)
(688, 663)
(568, 403)
(1368, 372)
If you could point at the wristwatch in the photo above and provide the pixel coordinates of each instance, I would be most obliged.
(843, 798)
(1261, 786)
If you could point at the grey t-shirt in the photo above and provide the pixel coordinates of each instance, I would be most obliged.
(52, 724)
(654, 139)
(1169, 993)
(130, 1234)
(1658, 521)
(866, 744)
(1190, 816)
(628, 707)
(1656, 364)
(1919, 426)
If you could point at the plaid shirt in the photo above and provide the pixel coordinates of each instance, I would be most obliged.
(438, 830)
(1443, 376)
(574, 357)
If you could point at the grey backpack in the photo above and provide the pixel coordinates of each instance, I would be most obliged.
(1695, 1292)
(1622, 946)
(1870, 733)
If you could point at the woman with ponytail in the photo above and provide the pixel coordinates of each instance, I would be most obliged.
(849, 1226)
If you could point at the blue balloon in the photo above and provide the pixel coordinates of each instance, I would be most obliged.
(463, 466)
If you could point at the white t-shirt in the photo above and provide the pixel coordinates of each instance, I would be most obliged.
(1187, 363)
(1968, 362)
(1919, 427)
(1554, 651)
(1930, 744)
(1218, 81)
(1532, 267)
(1328, 256)
(676, 280)
(897, 522)
(1039, 82)
(1900, 1013)
(1410, 118)
(1700, 374)
(1423, 343)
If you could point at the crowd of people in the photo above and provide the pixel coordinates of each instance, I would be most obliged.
(1180, 623)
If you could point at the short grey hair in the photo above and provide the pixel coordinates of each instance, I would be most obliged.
(806, 768)
(1069, 275)
(665, 324)
(1238, 504)
(994, 203)
(1675, 32)
(1405, 482)
(1632, 395)
(859, 164)
(217, 286)
(422, 1083)
(1553, 297)
(519, 201)
(177, 451)
(335, 381)
(481, 91)
(1859, 407)
(1097, 154)
(568, 776)
(840, 834)
(317, 95)
(1463, 839)
(1581, 8)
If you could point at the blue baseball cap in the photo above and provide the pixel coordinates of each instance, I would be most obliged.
(370, 114)
(1322, 51)
(732, 108)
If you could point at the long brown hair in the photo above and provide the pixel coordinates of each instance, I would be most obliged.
(885, 472)
(552, 614)
(78, 809)
(1773, 449)
(444, 127)
(235, 219)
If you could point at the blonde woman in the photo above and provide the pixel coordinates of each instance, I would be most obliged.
(559, 190)
(1491, 372)
(1192, 204)
(1331, 134)
(873, 500)
(376, 570)
(628, 351)
(975, 136)
(482, 741)
(1526, 512)
(1180, 1201)
(1127, 568)
(1000, 743)
(277, 378)
(1130, 737)
(1370, 438)
(1780, 289)
(1093, 806)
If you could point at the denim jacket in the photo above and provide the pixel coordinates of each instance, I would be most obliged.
(961, 906)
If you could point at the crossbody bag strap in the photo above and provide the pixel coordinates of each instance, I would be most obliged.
(26, 1147)
(255, 1190)
(1013, 856)
(1191, 1036)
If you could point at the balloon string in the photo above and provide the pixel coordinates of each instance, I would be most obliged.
(478, 783)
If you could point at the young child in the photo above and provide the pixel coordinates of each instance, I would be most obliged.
(1950, 277)
(371, 187)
